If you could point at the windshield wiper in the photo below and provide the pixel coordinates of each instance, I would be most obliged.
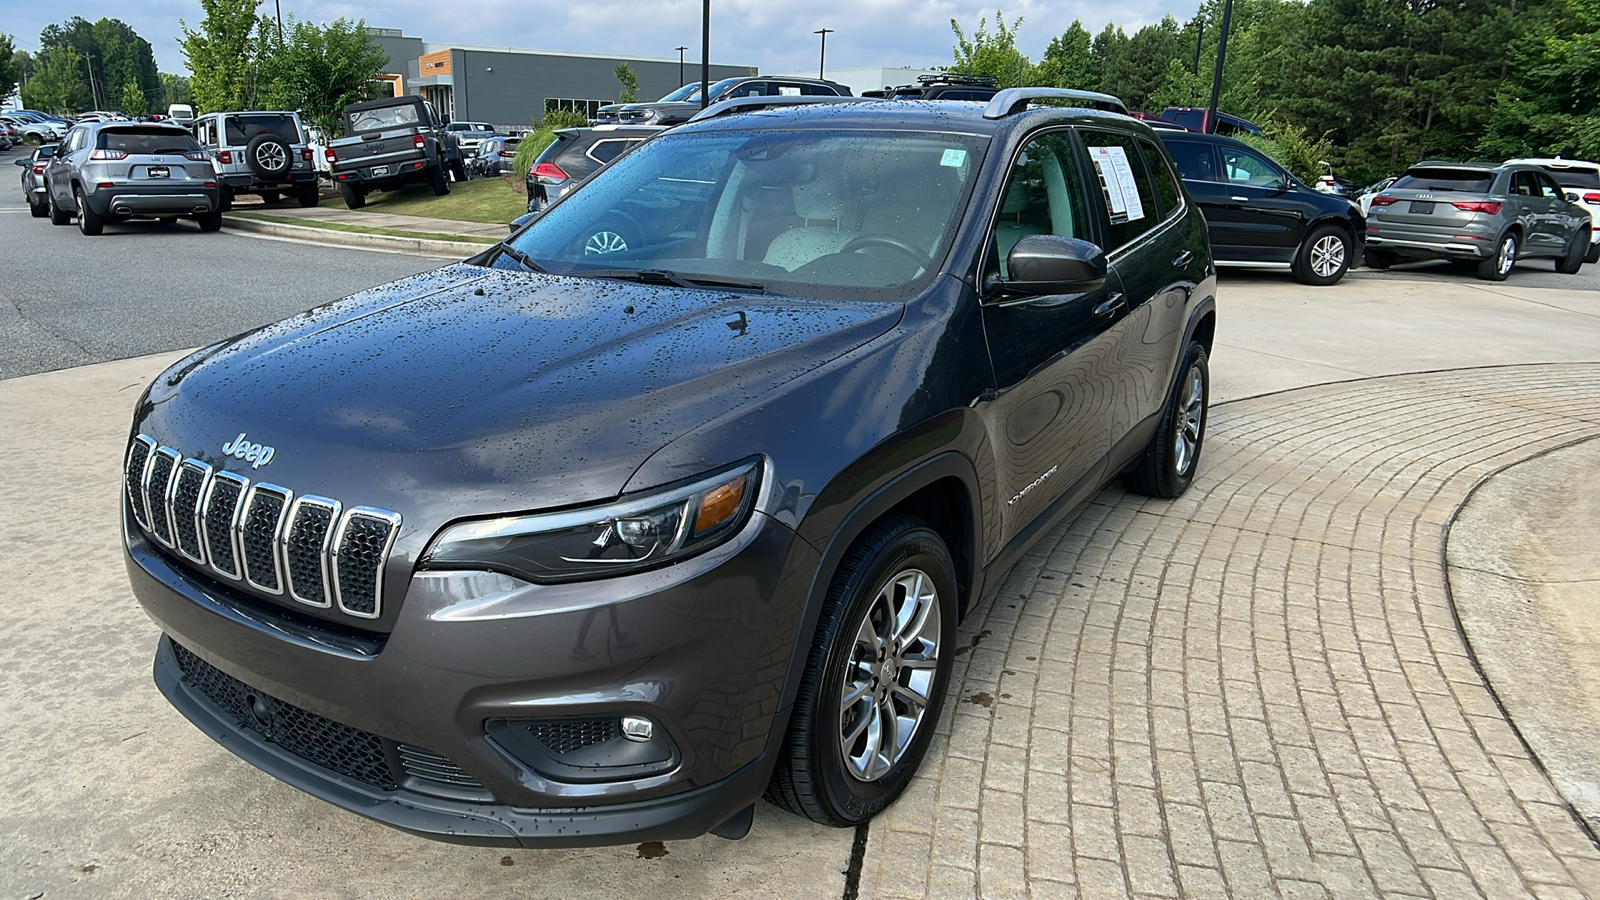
(523, 259)
(666, 276)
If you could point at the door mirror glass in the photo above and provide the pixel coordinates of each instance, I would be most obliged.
(1048, 264)
(24, 162)
(1571, 197)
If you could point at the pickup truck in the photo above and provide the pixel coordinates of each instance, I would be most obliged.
(389, 144)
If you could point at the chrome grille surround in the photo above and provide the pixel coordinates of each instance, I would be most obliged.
(311, 549)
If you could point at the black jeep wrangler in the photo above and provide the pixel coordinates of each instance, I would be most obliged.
(389, 144)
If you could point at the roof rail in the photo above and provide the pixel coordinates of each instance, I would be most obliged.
(1013, 100)
(952, 77)
(755, 104)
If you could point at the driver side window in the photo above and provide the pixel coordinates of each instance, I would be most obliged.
(1043, 195)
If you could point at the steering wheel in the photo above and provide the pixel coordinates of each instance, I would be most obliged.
(890, 241)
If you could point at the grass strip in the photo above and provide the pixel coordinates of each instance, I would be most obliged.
(492, 201)
(365, 229)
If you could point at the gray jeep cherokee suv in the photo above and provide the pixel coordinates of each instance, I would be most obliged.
(554, 547)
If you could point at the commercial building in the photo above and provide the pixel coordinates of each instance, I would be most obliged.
(872, 79)
(512, 88)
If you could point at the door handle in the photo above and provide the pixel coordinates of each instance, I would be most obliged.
(1240, 199)
(1183, 259)
(1111, 305)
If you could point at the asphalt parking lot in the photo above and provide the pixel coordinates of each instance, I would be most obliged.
(1258, 690)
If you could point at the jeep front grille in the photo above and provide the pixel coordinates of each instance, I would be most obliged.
(310, 548)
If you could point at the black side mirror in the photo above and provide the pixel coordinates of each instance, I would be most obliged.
(1042, 264)
(24, 162)
(1572, 197)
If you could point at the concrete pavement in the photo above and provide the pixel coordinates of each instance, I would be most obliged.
(1257, 690)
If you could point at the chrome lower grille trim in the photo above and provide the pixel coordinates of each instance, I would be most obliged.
(310, 549)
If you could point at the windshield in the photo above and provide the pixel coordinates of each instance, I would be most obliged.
(1471, 181)
(717, 88)
(838, 215)
(1572, 177)
(687, 92)
(146, 140)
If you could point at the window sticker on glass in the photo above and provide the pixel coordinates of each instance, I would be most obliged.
(1116, 179)
(953, 158)
(788, 91)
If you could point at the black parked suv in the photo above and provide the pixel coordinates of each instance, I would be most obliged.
(574, 155)
(672, 112)
(559, 548)
(948, 86)
(1262, 217)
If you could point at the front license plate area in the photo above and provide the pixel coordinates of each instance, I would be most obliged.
(384, 170)
(158, 171)
(1422, 207)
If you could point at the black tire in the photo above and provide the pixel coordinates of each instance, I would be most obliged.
(58, 216)
(269, 156)
(1323, 257)
(32, 138)
(1572, 262)
(270, 197)
(1167, 465)
(815, 775)
(459, 171)
(1593, 256)
(306, 194)
(210, 221)
(89, 222)
(438, 181)
(354, 197)
(1498, 266)
(38, 210)
(1378, 259)
(225, 198)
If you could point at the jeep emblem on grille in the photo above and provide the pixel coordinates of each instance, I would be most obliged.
(254, 454)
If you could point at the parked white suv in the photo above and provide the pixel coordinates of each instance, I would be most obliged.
(1581, 180)
(259, 152)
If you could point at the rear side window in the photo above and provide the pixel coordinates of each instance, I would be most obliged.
(146, 140)
(817, 90)
(1161, 176)
(1194, 159)
(1124, 185)
(1471, 181)
(606, 151)
(1576, 178)
(241, 130)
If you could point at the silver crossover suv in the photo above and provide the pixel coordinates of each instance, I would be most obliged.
(115, 171)
(1477, 214)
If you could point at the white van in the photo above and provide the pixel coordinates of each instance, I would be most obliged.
(182, 113)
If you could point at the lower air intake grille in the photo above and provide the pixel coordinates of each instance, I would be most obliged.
(574, 734)
(429, 766)
(323, 742)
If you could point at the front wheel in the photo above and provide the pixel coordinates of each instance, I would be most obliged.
(1498, 266)
(58, 216)
(1166, 467)
(875, 680)
(1323, 258)
(1574, 258)
(89, 222)
(38, 210)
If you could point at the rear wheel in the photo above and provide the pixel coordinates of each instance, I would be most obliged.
(1594, 252)
(1574, 258)
(1167, 466)
(210, 221)
(58, 216)
(1498, 266)
(1378, 259)
(354, 197)
(1323, 258)
(270, 196)
(875, 679)
(38, 210)
(225, 198)
(460, 171)
(438, 182)
(307, 194)
(89, 222)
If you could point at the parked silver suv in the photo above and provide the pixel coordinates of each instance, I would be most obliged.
(1477, 214)
(115, 171)
(260, 152)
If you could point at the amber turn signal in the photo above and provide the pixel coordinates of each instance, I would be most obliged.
(718, 505)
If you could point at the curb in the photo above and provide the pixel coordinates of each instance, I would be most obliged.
(417, 246)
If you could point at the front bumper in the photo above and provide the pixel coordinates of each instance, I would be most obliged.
(701, 648)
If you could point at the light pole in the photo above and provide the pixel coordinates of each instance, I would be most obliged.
(278, 5)
(680, 63)
(705, 53)
(822, 58)
(1199, 26)
(1216, 78)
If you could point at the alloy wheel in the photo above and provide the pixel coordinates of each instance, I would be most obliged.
(602, 242)
(1327, 256)
(889, 675)
(1508, 255)
(272, 157)
(1191, 419)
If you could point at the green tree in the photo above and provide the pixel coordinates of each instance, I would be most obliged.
(1068, 62)
(630, 83)
(994, 54)
(1133, 68)
(8, 66)
(316, 69)
(57, 85)
(133, 101)
(113, 56)
(175, 89)
(218, 54)
(1550, 105)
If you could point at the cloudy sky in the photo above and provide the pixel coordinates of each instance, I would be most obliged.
(776, 36)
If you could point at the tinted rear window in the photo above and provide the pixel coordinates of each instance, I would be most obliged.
(146, 140)
(1193, 159)
(244, 129)
(1471, 181)
(1576, 178)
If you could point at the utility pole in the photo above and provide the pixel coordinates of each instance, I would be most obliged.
(822, 58)
(705, 53)
(680, 63)
(1199, 24)
(1216, 78)
(278, 5)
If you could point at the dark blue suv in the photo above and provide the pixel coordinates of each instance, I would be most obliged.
(581, 542)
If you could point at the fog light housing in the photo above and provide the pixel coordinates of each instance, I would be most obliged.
(587, 750)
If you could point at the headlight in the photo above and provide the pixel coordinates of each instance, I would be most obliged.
(599, 542)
